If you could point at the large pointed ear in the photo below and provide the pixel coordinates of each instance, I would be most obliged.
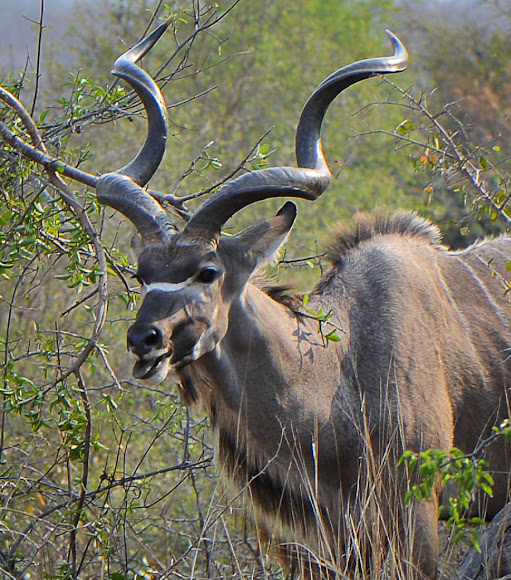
(136, 246)
(262, 241)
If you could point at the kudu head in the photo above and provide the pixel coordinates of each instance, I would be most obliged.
(191, 279)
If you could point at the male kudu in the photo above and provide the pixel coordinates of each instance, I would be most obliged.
(312, 428)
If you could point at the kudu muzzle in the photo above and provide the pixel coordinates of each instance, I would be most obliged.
(164, 335)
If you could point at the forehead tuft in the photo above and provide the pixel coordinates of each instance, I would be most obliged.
(173, 262)
(196, 239)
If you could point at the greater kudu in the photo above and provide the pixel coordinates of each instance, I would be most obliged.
(303, 423)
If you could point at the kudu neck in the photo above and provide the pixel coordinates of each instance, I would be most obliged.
(268, 353)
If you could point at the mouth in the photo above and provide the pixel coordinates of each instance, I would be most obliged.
(145, 369)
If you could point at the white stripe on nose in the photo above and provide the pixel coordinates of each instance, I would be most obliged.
(166, 286)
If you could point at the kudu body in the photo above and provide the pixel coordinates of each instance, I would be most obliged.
(312, 428)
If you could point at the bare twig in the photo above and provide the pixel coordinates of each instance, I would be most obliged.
(41, 28)
(448, 145)
(85, 476)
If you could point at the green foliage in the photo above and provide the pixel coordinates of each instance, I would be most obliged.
(323, 320)
(87, 99)
(465, 475)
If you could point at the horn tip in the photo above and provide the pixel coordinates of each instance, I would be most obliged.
(400, 52)
(144, 46)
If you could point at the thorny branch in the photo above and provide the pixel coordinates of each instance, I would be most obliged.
(74, 205)
(85, 474)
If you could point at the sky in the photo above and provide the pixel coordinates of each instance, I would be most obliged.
(18, 29)
(19, 18)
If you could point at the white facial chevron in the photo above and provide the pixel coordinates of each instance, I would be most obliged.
(166, 286)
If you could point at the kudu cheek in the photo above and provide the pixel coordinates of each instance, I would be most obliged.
(184, 341)
(206, 343)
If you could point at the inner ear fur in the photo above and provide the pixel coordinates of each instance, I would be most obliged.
(264, 240)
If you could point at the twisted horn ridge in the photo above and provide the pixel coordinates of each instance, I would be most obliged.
(123, 189)
(312, 176)
(148, 159)
(252, 187)
(308, 132)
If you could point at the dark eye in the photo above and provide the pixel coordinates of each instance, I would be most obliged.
(207, 275)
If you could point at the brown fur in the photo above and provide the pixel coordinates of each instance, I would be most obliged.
(312, 430)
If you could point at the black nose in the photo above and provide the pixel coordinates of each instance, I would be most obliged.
(143, 340)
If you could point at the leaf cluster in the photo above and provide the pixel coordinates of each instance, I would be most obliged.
(465, 475)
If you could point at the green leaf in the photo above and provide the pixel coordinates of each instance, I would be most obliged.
(332, 336)
(404, 127)
(474, 539)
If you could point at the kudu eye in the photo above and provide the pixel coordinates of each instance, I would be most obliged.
(207, 275)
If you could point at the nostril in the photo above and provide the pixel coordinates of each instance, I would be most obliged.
(143, 341)
(153, 338)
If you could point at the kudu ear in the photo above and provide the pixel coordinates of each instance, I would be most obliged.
(136, 246)
(264, 240)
